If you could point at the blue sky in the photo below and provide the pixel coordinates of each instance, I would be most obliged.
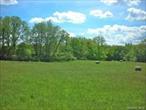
(116, 20)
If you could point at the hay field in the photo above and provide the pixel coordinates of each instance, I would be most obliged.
(74, 85)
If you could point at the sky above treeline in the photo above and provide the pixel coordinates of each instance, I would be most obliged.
(118, 21)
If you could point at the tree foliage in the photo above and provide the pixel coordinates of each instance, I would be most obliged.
(48, 42)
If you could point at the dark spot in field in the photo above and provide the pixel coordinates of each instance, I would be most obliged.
(31, 96)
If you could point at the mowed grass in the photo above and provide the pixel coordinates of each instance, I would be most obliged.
(75, 85)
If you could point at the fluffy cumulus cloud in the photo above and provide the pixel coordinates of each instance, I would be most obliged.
(119, 34)
(128, 2)
(136, 14)
(101, 13)
(61, 17)
(8, 2)
(133, 2)
(72, 34)
(37, 20)
(109, 2)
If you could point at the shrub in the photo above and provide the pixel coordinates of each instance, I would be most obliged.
(65, 57)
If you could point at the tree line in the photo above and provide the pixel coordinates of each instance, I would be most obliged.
(48, 42)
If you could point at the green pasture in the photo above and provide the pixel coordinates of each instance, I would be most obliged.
(73, 85)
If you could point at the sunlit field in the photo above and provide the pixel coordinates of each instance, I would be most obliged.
(74, 85)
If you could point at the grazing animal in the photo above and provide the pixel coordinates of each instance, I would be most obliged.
(121, 60)
(138, 68)
(97, 62)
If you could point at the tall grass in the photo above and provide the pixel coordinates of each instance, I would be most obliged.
(75, 85)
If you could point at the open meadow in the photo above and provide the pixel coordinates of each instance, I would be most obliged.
(73, 85)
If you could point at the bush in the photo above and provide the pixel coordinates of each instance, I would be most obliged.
(14, 57)
(35, 58)
(24, 52)
(45, 58)
(64, 57)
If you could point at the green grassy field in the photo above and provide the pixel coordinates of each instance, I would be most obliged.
(75, 85)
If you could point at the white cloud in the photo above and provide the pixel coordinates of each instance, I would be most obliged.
(119, 34)
(133, 2)
(101, 13)
(136, 14)
(8, 2)
(128, 2)
(109, 2)
(70, 16)
(37, 20)
(61, 17)
(72, 34)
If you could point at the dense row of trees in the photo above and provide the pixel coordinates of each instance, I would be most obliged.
(47, 42)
